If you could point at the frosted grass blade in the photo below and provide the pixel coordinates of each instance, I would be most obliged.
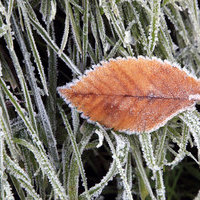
(154, 25)
(10, 7)
(43, 33)
(175, 17)
(66, 29)
(161, 148)
(21, 176)
(42, 158)
(101, 27)
(2, 168)
(5, 125)
(52, 44)
(34, 49)
(41, 108)
(118, 163)
(75, 30)
(52, 83)
(192, 121)
(76, 151)
(85, 31)
(73, 177)
(46, 168)
(8, 191)
(138, 159)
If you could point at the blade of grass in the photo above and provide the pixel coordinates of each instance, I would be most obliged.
(41, 108)
(33, 46)
(76, 151)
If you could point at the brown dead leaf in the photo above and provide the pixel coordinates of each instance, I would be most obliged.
(134, 95)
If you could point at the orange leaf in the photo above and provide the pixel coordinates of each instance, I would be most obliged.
(134, 95)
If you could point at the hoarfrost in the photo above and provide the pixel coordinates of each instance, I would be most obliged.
(122, 148)
(193, 122)
(53, 10)
(8, 191)
(107, 46)
(2, 9)
(3, 30)
(195, 97)
(128, 39)
(160, 192)
(101, 137)
(148, 152)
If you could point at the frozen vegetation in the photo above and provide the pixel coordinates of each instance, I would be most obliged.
(47, 150)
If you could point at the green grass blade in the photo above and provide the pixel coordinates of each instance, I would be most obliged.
(21, 176)
(76, 151)
(2, 168)
(154, 25)
(34, 49)
(52, 45)
(66, 29)
(85, 31)
(41, 108)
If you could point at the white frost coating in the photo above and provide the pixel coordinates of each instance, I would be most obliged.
(107, 46)
(195, 97)
(3, 30)
(103, 64)
(192, 121)
(2, 9)
(122, 148)
(198, 196)
(104, 181)
(179, 157)
(8, 191)
(53, 10)
(128, 39)
(101, 137)
(147, 149)
(1, 134)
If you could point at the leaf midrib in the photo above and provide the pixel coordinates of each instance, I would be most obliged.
(135, 96)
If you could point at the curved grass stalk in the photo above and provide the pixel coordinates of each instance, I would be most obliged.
(66, 29)
(148, 154)
(191, 119)
(5, 125)
(73, 174)
(119, 164)
(96, 190)
(21, 177)
(76, 151)
(138, 159)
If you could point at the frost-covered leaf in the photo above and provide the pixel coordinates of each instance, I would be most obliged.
(133, 95)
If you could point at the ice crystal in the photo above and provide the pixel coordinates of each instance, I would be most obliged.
(128, 39)
(101, 137)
